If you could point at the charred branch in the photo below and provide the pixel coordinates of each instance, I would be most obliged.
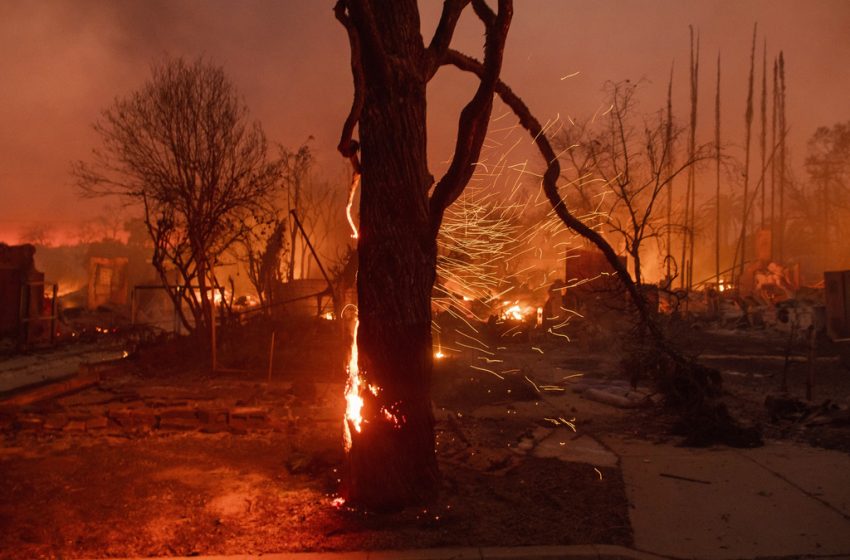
(347, 146)
(475, 117)
(452, 9)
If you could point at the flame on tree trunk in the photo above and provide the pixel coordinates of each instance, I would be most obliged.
(389, 425)
(391, 458)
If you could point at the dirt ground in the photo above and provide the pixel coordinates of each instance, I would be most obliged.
(161, 459)
(144, 465)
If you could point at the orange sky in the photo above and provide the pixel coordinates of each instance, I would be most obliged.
(61, 62)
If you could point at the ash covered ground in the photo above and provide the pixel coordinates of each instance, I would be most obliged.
(161, 456)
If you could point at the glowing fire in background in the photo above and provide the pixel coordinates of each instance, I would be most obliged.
(516, 312)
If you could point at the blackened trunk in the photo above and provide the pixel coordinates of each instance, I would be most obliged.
(392, 461)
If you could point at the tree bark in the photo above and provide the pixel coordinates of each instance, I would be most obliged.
(392, 462)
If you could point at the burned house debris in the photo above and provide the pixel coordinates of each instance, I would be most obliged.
(108, 282)
(27, 312)
(580, 327)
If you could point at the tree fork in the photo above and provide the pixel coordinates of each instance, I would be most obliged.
(391, 461)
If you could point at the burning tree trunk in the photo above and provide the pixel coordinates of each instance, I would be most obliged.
(389, 425)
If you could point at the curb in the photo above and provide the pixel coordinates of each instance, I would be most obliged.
(87, 374)
(571, 552)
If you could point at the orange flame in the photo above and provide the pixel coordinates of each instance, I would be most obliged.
(355, 182)
(353, 400)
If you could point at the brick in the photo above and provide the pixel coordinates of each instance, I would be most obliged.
(246, 418)
(75, 426)
(29, 422)
(97, 423)
(133, 419)
(213, 415)
(55, 422)
(182, 418)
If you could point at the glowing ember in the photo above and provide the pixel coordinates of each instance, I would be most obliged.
(329, 316)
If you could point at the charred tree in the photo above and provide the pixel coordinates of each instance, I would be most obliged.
(775, 99)
(763, 135)
(748, 120)
(692, 185)
(783, 131)
(183, 149)
(668, 143)
(390, 460)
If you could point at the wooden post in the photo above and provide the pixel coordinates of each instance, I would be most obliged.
(133, 305)
(271, 357)
(212, 336)
(54, 308)
(810, 375)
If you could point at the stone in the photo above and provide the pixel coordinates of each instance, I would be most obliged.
(212, 415)
(55, 422)
(575, 449)
(97, 423)
(133, 419)
(181, 418)
(244, 418)
(75, 426)
(29, 422)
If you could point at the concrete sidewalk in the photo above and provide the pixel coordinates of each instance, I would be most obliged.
(19, 372)
(781, 500)
(582, 552)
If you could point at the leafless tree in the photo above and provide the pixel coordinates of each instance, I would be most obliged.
(37, 233)
(261, 248)
(296, 171)
(183, 148)
(828, 168)
(623, 168)
(748, 120)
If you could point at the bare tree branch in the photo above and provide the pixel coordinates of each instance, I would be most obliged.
(347, 146)
(553, 171)
(475, 117)
(442, 38)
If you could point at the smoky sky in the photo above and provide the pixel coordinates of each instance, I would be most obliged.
(62, 62)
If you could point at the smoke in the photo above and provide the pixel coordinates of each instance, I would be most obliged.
(63, 61)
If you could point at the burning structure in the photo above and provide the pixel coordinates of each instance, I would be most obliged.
(26, 316)
(108, 282)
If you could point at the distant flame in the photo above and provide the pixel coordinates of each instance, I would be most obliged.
(517, 312)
